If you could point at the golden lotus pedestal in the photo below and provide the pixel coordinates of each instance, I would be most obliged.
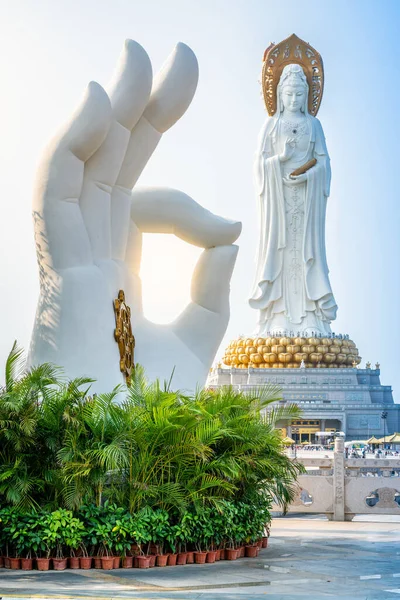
(292, 352)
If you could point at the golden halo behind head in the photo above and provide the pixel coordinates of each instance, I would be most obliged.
(293, 50)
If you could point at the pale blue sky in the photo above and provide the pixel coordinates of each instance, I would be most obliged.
(50, 49)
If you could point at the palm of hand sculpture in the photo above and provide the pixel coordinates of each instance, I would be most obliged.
(89, 224)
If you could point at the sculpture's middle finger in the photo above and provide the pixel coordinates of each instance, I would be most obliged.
(173, 90)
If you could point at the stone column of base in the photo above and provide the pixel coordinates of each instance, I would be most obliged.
(338, 480)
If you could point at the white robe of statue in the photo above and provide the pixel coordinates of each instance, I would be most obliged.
(292, 291)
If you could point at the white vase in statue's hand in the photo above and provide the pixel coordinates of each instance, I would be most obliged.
(89, 224)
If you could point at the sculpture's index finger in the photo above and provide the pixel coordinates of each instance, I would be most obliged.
(130, 86)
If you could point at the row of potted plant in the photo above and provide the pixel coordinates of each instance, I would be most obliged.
(110, 536)
(144, 561)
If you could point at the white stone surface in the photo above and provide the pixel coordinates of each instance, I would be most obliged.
(89, 225)
(291, 290)
(342, 491)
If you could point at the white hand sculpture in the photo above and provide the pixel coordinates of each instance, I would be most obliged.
(89, 224)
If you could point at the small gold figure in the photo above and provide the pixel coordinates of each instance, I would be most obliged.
(123, 336)
(377, 366)
(368, 365)
(354, 364)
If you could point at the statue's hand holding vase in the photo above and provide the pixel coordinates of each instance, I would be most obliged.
(293, 180)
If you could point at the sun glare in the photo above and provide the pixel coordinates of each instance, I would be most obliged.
(166, 271)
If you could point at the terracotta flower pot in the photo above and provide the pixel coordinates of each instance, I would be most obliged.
(152, 560)
(143, 562)
(60, 564)
(259, 543)
(231, 554)
(211, 554)
(107, 563)
(74, 562)
(218, 554)
(182, 558)
(251, 551)
(135, 549)
(240, 552)
(257, 549)
(97, 562)
(162, 560)
(43, 564)
(15, 563)
(172, 560)
(7, 564)
(127, 562)
(1, 562)
(190, 558)
(117, 560)
(85, 562)
(200, 558)
(27, 564)
(265, 542)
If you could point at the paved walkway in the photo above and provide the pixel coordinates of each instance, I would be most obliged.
(308, 558)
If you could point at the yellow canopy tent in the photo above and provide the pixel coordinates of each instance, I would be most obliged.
(393, 438)
(373, 440)
(288, 441)
(389, 439)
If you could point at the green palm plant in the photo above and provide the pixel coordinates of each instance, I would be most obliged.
(94, 450)
(21, 468)
(250, 452)
(144, 447)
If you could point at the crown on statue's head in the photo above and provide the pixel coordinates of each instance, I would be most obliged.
(290, 52)
(293, 75)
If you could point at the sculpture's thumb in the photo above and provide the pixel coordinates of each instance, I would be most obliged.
(202, 325)
(211, 278)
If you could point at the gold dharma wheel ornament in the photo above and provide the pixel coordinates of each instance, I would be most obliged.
(293, 50)
(123, 336)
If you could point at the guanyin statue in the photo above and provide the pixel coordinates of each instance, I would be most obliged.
(292, 291)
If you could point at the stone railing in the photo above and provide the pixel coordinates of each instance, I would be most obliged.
(342, 488)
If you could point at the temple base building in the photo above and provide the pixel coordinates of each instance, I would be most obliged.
(351, 400)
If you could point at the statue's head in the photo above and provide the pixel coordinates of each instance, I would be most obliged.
(292, 90)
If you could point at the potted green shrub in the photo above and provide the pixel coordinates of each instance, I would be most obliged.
(121, 535)
(91, 516)
(41, 546)
(10, 523)
(73, 535)
(198, 538)
(158, 530)
(182, 533)
(26, 539)
(141, 533)
(103, 534)
(57, 522)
